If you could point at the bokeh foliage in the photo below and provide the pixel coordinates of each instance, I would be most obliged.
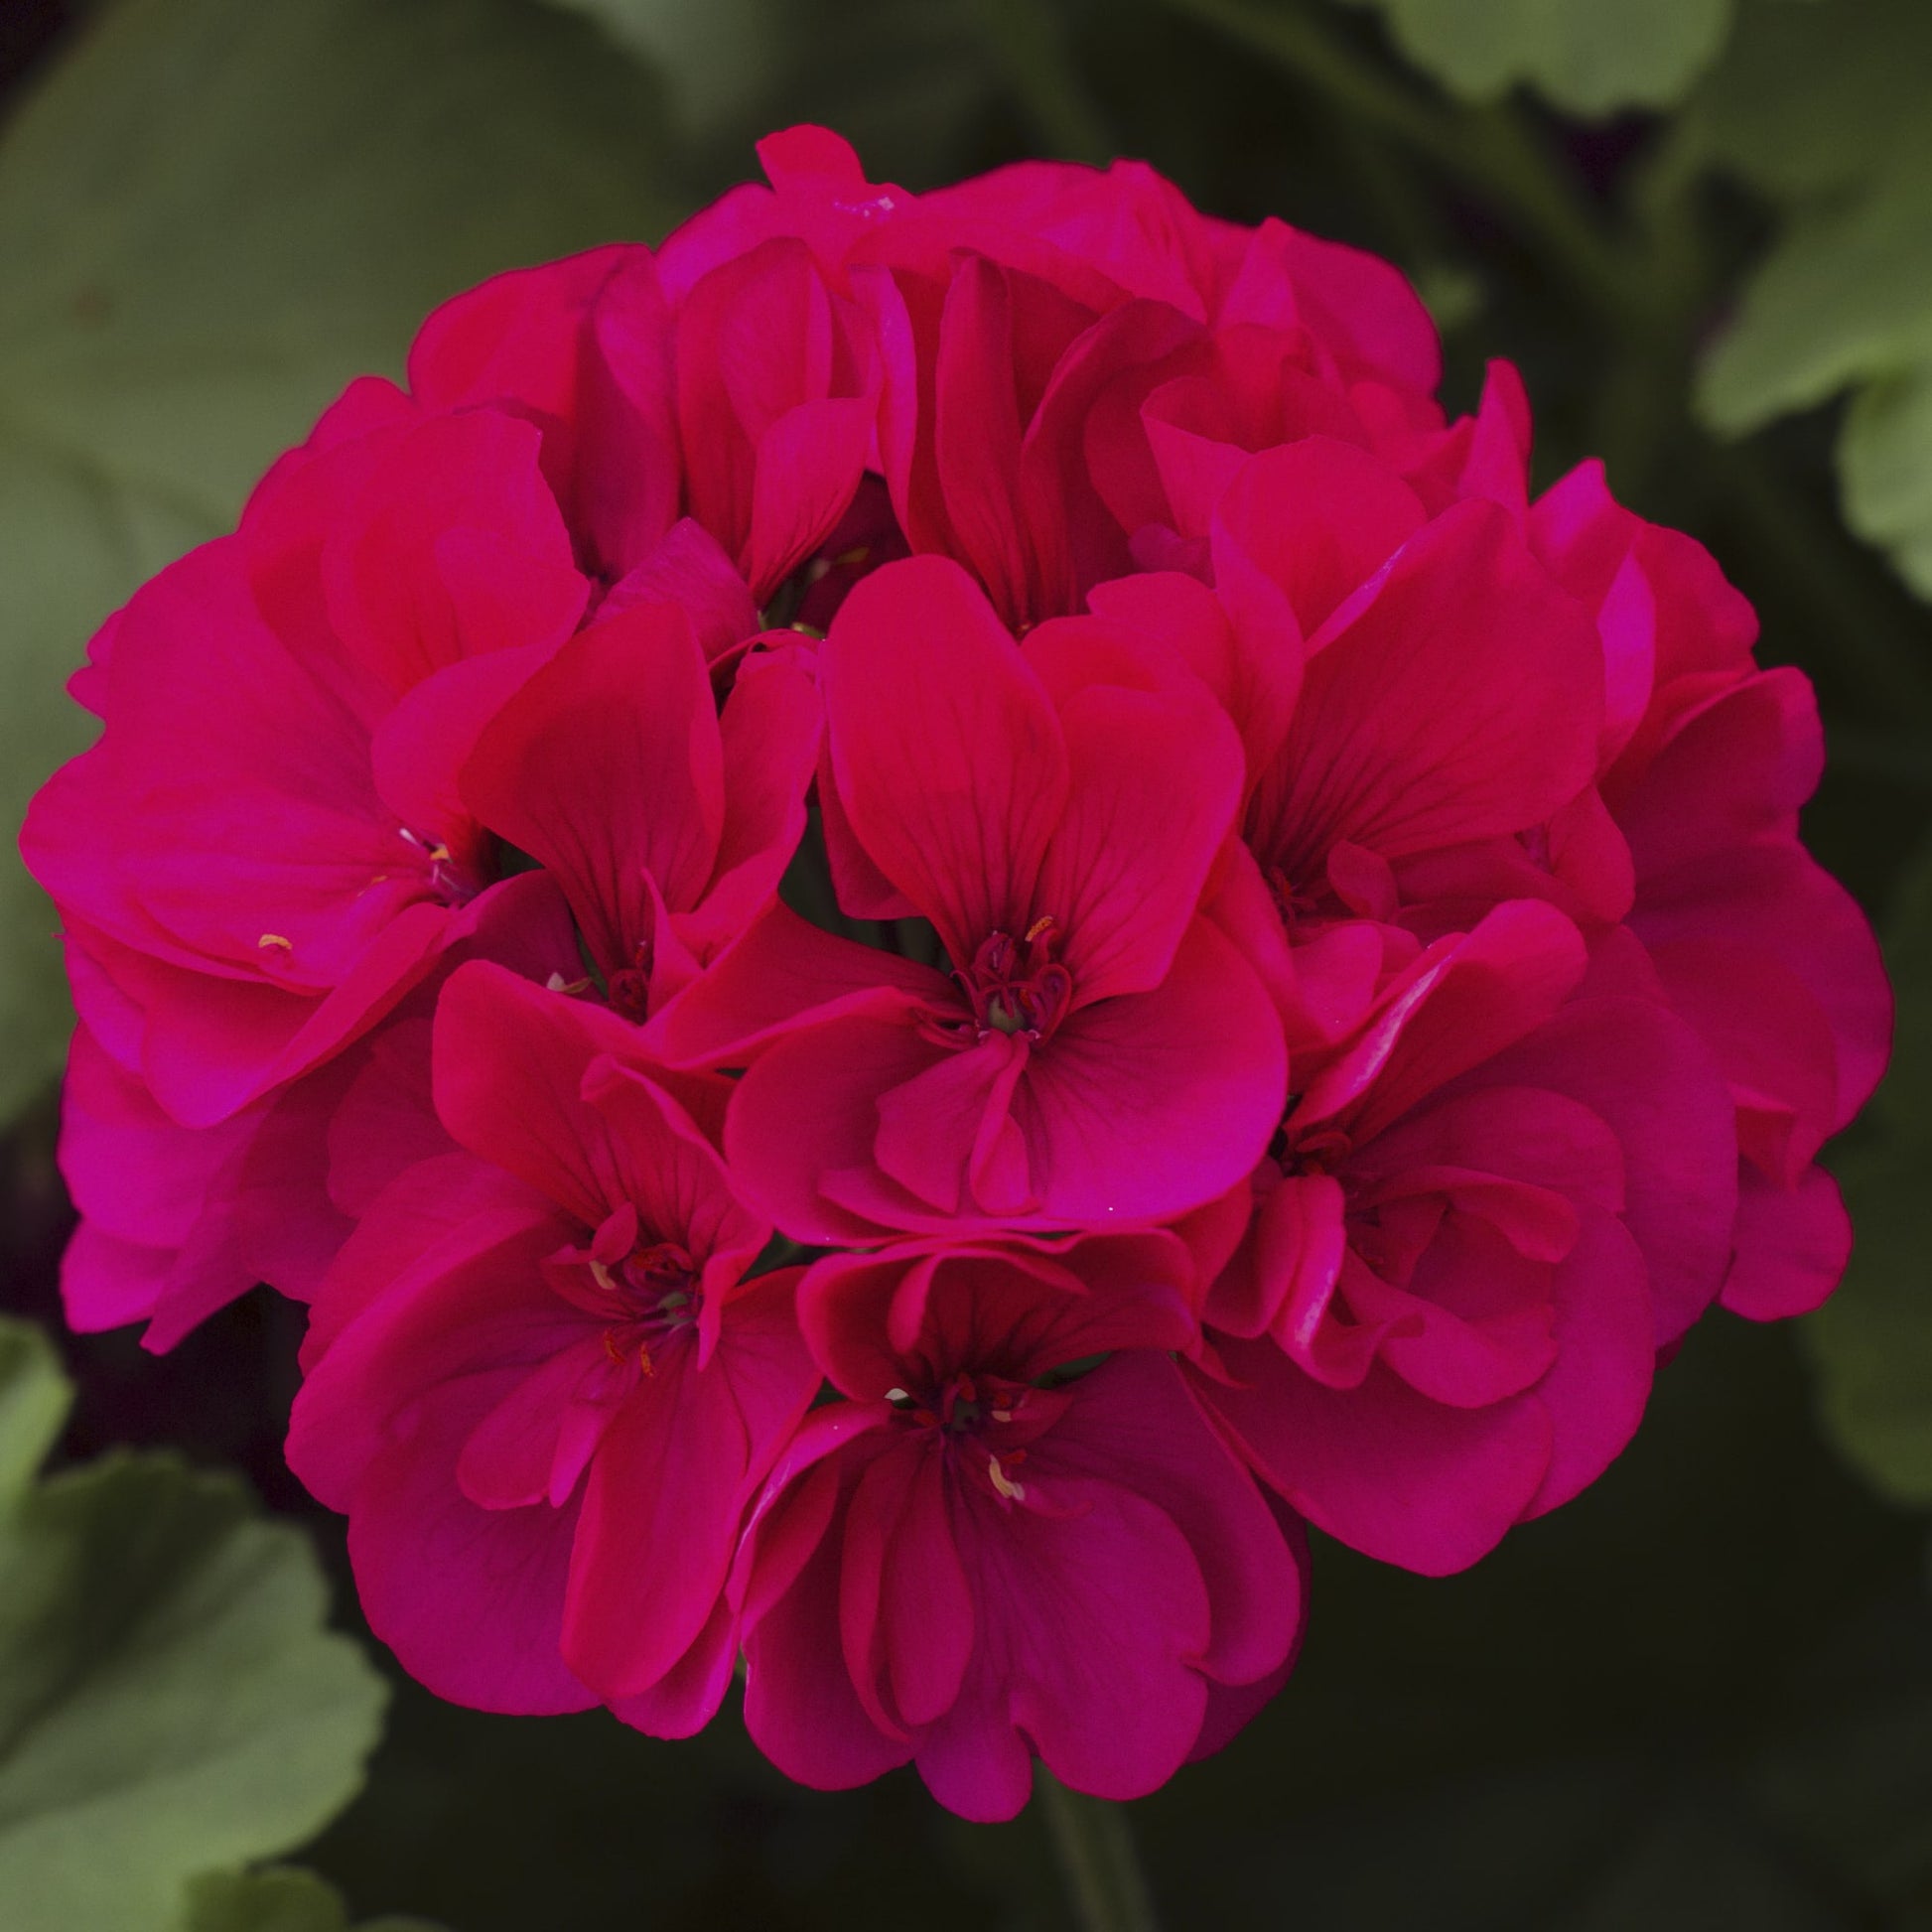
(1700, 1696)
(169, 1700)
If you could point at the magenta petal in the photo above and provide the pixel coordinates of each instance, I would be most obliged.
(467, 1598)
(1318, 517)
(1094, 1622)
(1597, 1389)
(470, 1599)
(779, 972)
(1147, 1105)
(948, 757)
(1792, 1244)
(549, 1088)
(660, 1519)
(421, 748)
(1387, 753)
(831, 1075)
(1286, 1267)
(1462, 1001)
(948, 1136)
(1384, 1469)
(769, 731)
(608, 767)
(1136, 1425)
(1232, 1707)
(1641, 1069)
(107, 1281)
(799, 1704)
(905, 1611)
(1028, 1305)
(1773, 901)
(690, 571)
(533, 1445)
(686, 1698)
(1155, 781)
(808, 466)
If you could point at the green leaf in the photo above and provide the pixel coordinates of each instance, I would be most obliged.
(1845, 295)
(170, 1700)
(281, 1900)
(718, 60)
(1811, 98)
(1885, 462)
(34, 1401)
(214, 212)
(1584, 56)
(1821, 107)
(1871, 1344)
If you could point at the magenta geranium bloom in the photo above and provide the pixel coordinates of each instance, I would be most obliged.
(1488, 1209)
(919, 916)
(538, 1372)
(965, 1563)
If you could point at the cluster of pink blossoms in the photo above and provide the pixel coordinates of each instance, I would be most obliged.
(917, 918)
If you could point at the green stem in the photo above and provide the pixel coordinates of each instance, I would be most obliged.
(1097, 1849)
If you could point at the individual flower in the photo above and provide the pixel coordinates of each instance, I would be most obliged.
(178, 1221)
(1488, 1207)
(1707, 760)
(539, 1382)
(1099, 1052)
(666, 820)
(264, 852)
(993, 1550)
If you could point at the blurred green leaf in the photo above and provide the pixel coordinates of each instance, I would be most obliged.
(1884, 460)
(34, 1401)
(214, 212)
(1811, 95)
(718, 60)
(1821, 107)
(170, 1702)
(1583, 56)
(1872, 1341)
(281, 1900)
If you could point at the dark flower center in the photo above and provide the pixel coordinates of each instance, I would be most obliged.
(653, 1295)
(983, 1422)
(1018, 986)
(451, 881)
(630, 986)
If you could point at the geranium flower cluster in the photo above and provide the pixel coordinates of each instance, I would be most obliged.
(917, 918)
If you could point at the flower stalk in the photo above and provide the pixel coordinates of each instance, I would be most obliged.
(1097, 1858)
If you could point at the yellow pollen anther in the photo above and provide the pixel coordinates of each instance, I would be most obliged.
(1002, 1415)
(274, 942)
(601, 1275)
(1044, 924)
(1012, 1491)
